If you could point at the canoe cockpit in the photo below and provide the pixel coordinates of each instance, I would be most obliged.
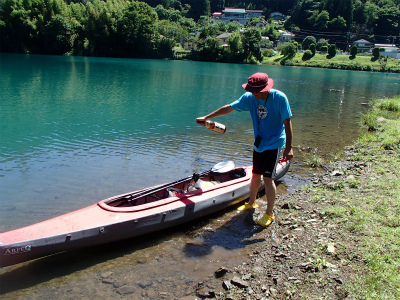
(181, 189)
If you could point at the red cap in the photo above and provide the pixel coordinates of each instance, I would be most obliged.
(258, 82)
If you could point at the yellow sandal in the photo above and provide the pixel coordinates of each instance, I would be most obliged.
(266, 220)
(247, 206)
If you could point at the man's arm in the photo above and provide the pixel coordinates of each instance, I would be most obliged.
(288, 153)
(224, 110)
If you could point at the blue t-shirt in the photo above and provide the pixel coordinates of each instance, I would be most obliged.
(268, 115)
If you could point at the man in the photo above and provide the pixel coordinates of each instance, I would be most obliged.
(271, 115)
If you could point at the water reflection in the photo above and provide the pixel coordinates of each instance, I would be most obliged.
(76, 130)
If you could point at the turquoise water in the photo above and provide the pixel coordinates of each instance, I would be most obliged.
(75, 130)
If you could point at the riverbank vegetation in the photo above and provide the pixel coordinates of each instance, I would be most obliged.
(343, 62)
(185, 29)
(366, 205)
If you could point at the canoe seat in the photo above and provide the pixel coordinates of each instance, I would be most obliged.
(206, 184)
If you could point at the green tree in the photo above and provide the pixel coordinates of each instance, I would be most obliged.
(307, 55)
(135, 30)
(288, 49)
(376, 53)
(14, 31)
(301, 11)
(388, 17)
(164, 47)
(211, 51)
(235, 43)
(332, 50)
(319, 19)
(337, 24)
(354, 51)
(251, 43)
(58, 36)
(198, 8)
(322, 43)
(172, 30)
(336, 8)
(313, 48)
(233, 26)
(271, 32)
(308, 41)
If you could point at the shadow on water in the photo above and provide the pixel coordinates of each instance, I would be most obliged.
(198, 245)
(32, 273)
(235, 234)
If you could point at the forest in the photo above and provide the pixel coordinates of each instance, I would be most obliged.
(154, 28)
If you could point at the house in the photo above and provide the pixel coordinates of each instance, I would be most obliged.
(223, 38)
(191, 44)
(262, 24)
(285, 37)
(277, 16)
(241, 15)
(363, 45)
(390, 50)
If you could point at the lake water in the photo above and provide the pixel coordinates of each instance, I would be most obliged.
(75, 130)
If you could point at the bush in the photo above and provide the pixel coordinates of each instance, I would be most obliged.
(376, 52)
(307, 55)
(288, 49)
(308, 41)
(313, 48)
(324, 49)
(268, 53)
(321, 44)
(332, 50)
(354, 51)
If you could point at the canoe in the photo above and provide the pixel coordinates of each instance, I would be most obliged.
(131, 214)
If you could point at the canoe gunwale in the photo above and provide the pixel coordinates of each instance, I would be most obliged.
(146, 206)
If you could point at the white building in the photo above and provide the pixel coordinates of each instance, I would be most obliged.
(285, 37)
(390, 50)
(241, 15)
(363, 45)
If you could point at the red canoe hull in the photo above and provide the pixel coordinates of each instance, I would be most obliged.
(99, 223)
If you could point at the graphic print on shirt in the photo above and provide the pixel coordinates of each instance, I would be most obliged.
(262, 111)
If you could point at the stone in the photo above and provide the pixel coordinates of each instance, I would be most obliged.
(107, 281)
(351, 178)
(206, 293)
(239, 282)
(226, 284)
(273, 292)
(221, 272)
(106, 274)
(337, 173)
(126, 289)
(330, 248)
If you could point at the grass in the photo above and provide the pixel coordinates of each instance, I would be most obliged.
(368, 207)
(344, 62)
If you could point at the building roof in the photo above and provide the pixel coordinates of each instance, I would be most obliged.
(223, 35)
(386, 45)
(234, 10)
(362, 41)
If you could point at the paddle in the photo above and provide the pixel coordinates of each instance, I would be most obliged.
(222, 167)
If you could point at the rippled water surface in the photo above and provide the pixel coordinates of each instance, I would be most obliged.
(76, 130)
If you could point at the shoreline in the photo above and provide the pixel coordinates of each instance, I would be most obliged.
(325, 242)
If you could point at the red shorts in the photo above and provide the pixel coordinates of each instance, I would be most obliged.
(264, 163)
